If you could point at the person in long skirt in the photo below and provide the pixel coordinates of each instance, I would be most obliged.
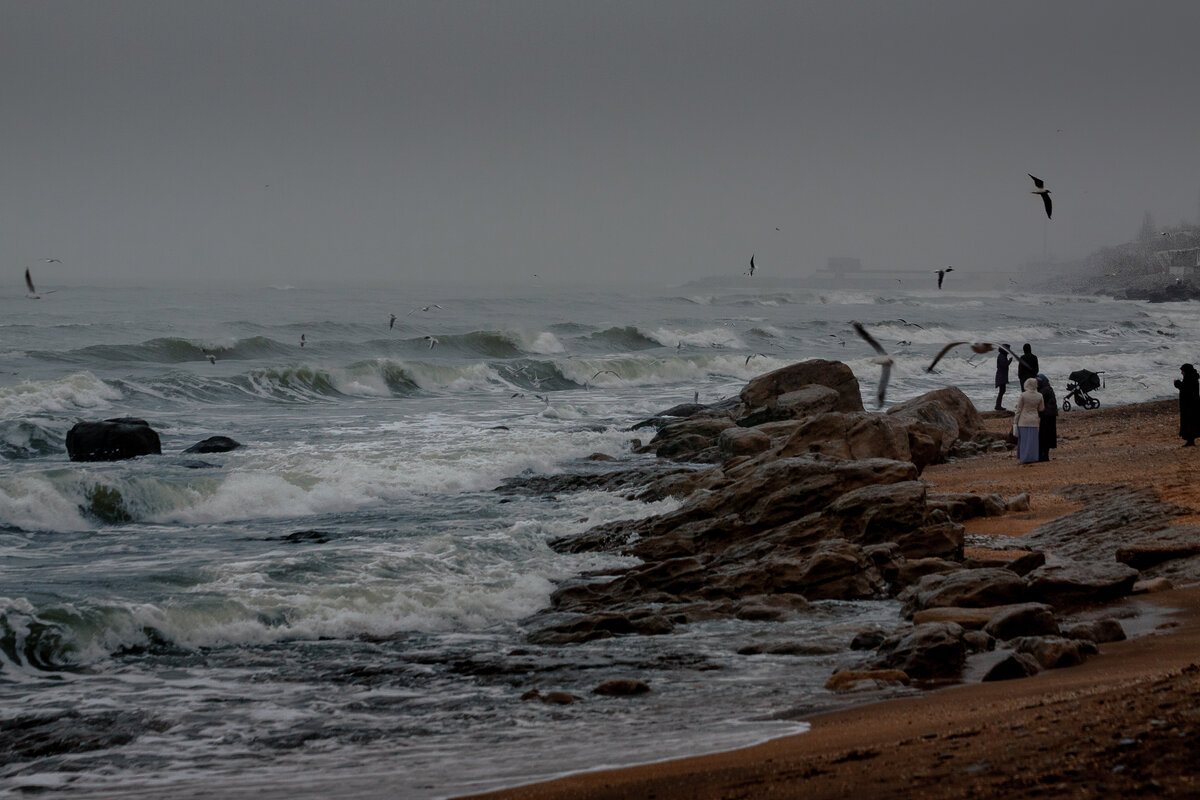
(1029, 404)
(1048, 429)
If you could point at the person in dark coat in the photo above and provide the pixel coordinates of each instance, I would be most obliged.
(1027, 365)
(1047, 419)
(1003, 359)
(1189, 405)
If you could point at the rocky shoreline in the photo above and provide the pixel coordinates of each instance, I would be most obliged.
(1117, 505)
(810, 497)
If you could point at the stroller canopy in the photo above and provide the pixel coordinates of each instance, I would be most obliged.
(1086, 379)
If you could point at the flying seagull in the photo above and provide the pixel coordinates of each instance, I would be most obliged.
(941, 273)
(33, 295)
(52, 260)
(978, 347)
(752, 355)
(426, 308)
(883, 360)
(750, 271)
(392, 322)
(432, 341)
(909, 324)
(601, 372)
(1043, 191)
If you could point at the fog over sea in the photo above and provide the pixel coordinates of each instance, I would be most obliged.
(338, 605)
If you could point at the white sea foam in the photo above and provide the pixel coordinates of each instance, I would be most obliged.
(78, 391)
(540, 342)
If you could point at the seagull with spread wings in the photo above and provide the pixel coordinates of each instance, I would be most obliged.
(423, 308)
(883, 360)
(1044, 192)
(978, 347)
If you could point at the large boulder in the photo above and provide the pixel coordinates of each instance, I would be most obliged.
(932, 650)
(947, 411)
(112, 440)
(1026, 619)
(968, 588)
(1080, 584)
(766, 390)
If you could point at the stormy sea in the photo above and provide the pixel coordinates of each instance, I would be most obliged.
(340, 604)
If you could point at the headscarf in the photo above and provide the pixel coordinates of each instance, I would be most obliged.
(1042, 380)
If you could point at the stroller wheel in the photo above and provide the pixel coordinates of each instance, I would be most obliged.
(1093, 403)
(1066, 405)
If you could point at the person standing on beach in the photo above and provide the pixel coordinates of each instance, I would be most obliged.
(1003, 359)
(1048, 419)
(1029, 406)
(1027, 365)
(1189, 405)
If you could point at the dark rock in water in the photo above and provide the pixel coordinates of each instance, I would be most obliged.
(622, 687)
(571, 628)
(867, 640)
(112, 440)
(30, 737)
(1016, 665)
(310, 537)
(553, 698)
(214, 444)
(932, 650)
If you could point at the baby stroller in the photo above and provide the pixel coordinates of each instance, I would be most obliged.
(1079, 383)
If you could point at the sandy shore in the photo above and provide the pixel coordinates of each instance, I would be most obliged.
(1125, 722)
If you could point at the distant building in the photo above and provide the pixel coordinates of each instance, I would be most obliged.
(1183, 263)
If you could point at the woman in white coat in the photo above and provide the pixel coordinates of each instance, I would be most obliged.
(1027, 421)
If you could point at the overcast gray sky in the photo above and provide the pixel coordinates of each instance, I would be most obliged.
(284, 141)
